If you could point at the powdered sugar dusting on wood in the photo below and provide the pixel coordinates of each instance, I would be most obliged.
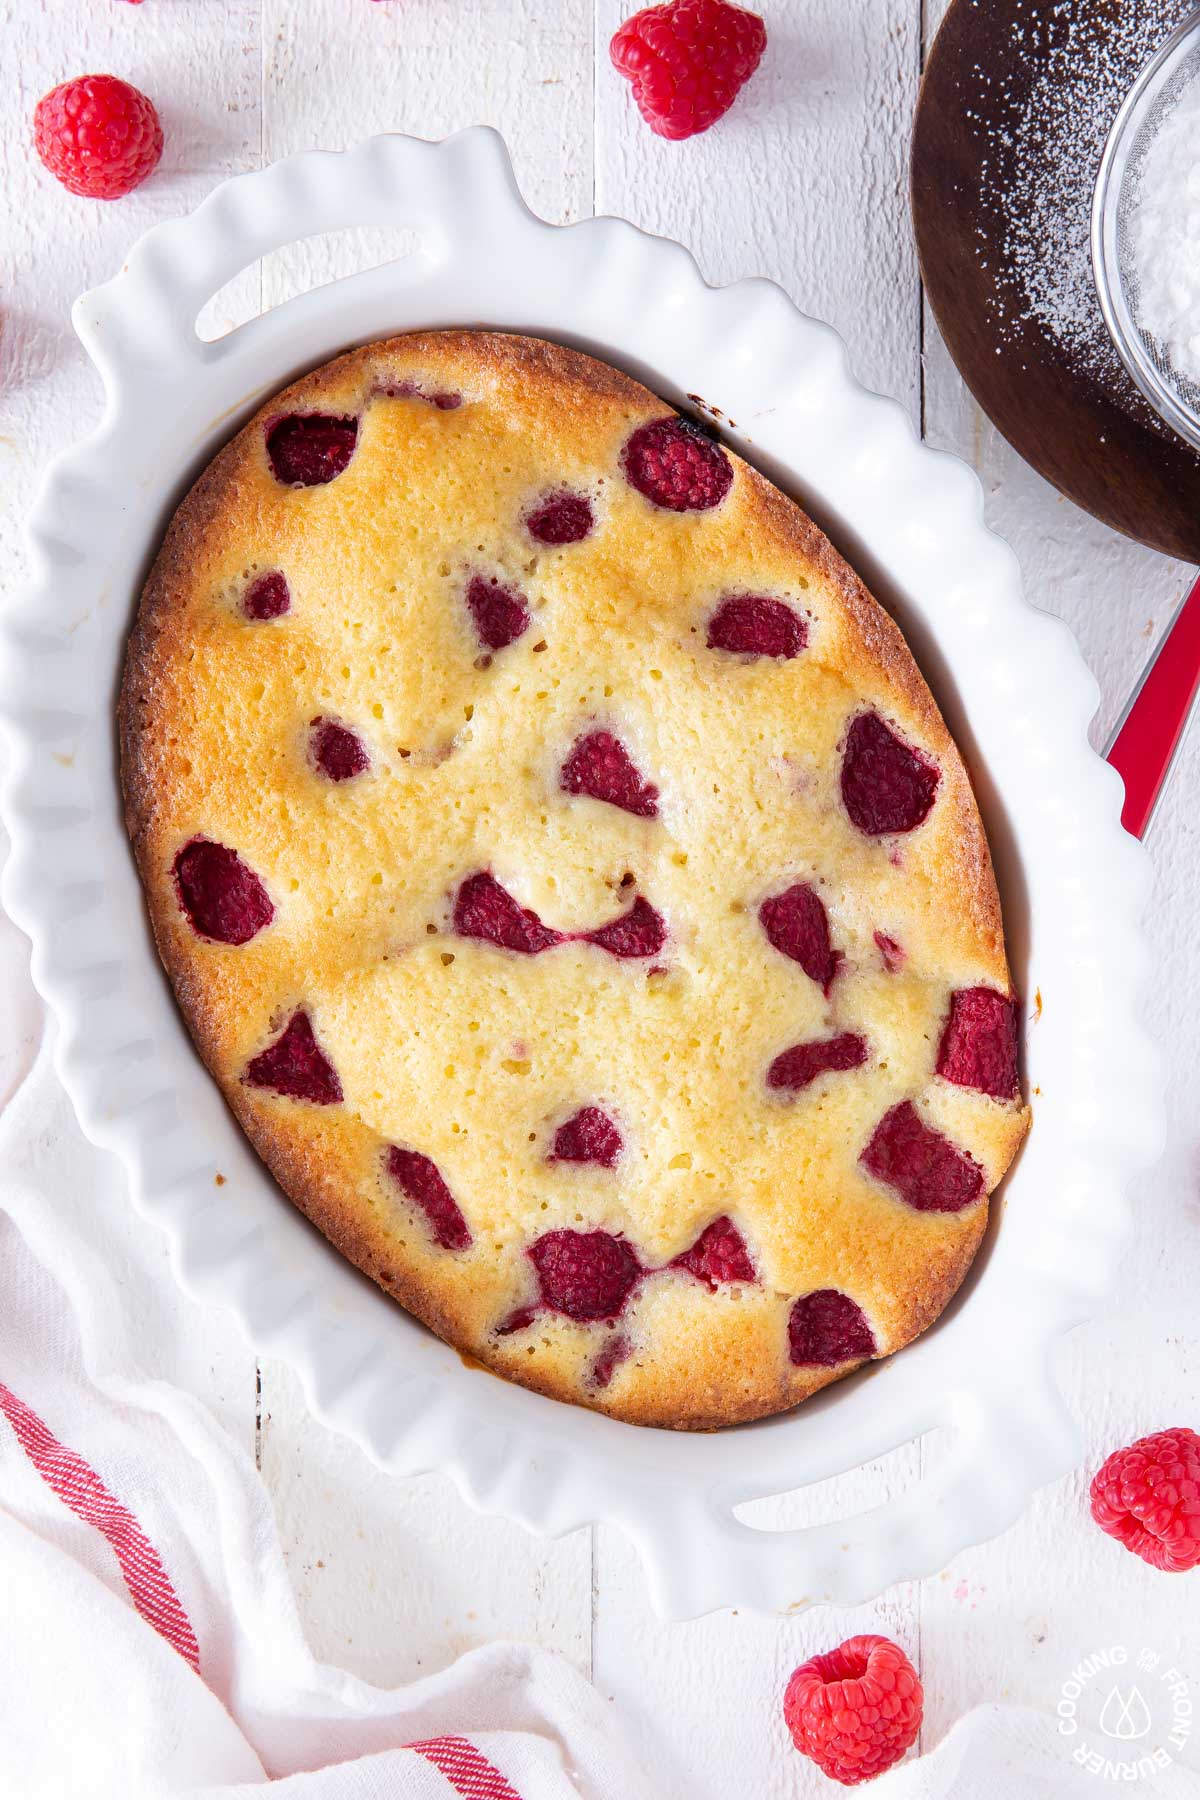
(1045, 137)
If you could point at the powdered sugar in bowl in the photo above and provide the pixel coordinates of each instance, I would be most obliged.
(1146, 231)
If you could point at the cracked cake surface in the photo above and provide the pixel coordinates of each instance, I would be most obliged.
(568, 877)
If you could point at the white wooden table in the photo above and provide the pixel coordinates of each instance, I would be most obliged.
(804, 182)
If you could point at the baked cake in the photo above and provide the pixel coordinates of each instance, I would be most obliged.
(570, 881)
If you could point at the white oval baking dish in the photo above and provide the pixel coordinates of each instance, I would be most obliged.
(1015, 692)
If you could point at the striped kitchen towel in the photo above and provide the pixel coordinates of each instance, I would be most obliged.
(149, 1640)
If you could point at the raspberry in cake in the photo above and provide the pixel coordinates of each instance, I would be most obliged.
(569, 880)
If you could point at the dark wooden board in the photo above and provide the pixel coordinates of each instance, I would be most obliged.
(1088, 432)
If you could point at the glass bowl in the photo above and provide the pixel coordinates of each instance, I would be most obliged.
(1159, 85)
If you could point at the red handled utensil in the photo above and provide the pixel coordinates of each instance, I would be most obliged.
(1144, 743)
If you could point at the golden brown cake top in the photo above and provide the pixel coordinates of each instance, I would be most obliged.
(570, 880)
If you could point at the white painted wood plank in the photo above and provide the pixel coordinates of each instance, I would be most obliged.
(804, 180)
(201, 71)
(702, 1701)
(200, 66)
(395, 1578)
(338, 70)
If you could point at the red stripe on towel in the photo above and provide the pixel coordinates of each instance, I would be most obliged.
(466, 1769)
(81, 1489)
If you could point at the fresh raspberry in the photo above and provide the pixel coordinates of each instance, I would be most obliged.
(797, 924)
(588, 1136)
(675, 465)
(295, 1066)
(562, 518)
(587, 1275)
(1147, 1496)
(718, 1254)
(601, 766)
(639, 932)
(925, 1168)
(221, 895)
(795, 1068)
(483, 909)
(615, 1352)
(336, 751)
(500, 613)
(420, 1180)
(757, 625)
(687, 61)
(894, 955)
(267, 597)
(855, 1710)
(97, 135)
(310, 449)
(826, 1329)
(887, 786)
(979, 1045)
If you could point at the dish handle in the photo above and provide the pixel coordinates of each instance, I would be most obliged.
(145, 319)
(701, 1556)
